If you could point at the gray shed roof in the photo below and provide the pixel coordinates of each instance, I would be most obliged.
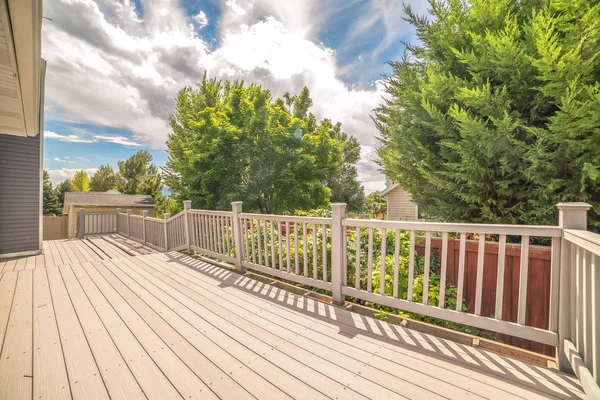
(110, 198)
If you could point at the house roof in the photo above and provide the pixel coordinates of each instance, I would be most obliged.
(111, 198)
(388, 189)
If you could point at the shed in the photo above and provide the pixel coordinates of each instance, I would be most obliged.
(400, 205)
(104, 202)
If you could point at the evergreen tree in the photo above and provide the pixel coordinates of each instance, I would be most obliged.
(81, 181)
(51, 205)
(62, 188)
(494, 114)
(104, 179)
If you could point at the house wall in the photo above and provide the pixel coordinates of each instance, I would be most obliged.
(74, 211)
(400, 205)
(20, 193)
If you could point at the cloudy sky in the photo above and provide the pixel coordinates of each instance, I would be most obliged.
(115, 66)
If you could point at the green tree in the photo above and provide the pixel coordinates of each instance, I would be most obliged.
(494, 114)
(62, 188)
(233, 142)
(81, 181)
(139, 175)
(104, 179)
(374, 204)
(51, 205)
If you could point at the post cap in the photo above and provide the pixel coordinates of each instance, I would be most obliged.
(129, 211)
(236, 202)
(338, 205)
(579, 205)
(166, 215)
(81, 210)
(145, 213)
(187, 204)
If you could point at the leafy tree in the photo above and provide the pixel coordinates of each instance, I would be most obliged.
(51, 205)
(374, 203)
(139, 175)
(62, 188)
(233, 142)
(104, 179)
(494, 115)
(81, 181)
(167, 204)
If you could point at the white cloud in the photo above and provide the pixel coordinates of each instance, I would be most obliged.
(118, 140)
(109, 66)
(59, 175)
(64, 160)
(65, 138)
(82, 159)
(201, 19)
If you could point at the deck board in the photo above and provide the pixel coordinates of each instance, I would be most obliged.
(52, 382)
(16, 369)
(84, 377)
(108, 318)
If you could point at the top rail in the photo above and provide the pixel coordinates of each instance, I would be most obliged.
(211, 212)
(490, 229)
(586, 240)
(286, 218)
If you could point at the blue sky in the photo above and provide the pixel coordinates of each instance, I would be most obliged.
(114, 67)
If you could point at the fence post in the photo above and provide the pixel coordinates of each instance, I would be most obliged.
(236, 207)
(128, 224)
(187, 204)
(338, 213)
(117, 222)
(570, 216)
(166, 216)
(145, 215)
(81, 231)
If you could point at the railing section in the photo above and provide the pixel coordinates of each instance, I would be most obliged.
(293, 248)
(582, 344)
(211, 233)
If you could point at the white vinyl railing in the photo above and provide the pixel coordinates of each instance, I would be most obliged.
(362, 259)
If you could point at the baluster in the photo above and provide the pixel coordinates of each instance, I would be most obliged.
(370, 262)
(411, 267)
(252, 241)
(357, 264)
(396, 261)
(287, 246)
(274, 266)
(305, 252)
(382, 266)
(479, 281)
(296, 255)
(444, 266)
(245, 233)
(324, 234)
(314, 245)
(586, 352)
(524, 272)
(427, 268)
(500, 277)
(280, 245)
(266, 244)
(258, 235)
(461, 271)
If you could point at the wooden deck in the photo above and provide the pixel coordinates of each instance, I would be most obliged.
(109, 318)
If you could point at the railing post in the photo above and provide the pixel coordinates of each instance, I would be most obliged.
(128, 224)
(117, 222)
(166, 216)
(81, 230)
(570, 216)
(236, 207)
(338, 213)
(187, 205)
(145, 215)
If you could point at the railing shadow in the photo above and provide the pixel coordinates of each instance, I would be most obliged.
(395, 337)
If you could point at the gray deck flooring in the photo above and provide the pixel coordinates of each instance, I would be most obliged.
(97, 319)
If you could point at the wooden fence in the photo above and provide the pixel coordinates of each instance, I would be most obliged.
(538, 284)
(55, 228)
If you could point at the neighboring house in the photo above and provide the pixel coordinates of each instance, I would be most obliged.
(103, 202)
(400, 205)
(22, 72)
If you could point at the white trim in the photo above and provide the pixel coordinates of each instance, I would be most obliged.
(21, 254)
(388, 190)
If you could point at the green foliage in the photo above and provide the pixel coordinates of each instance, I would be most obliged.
(81, 182)
(494, 116)
(139, 175)
(62, 188)
(167, 204)
(51, 205)
(105, 179)
(374, 204)
(232, 142)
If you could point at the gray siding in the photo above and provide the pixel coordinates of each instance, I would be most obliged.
(19, 193)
